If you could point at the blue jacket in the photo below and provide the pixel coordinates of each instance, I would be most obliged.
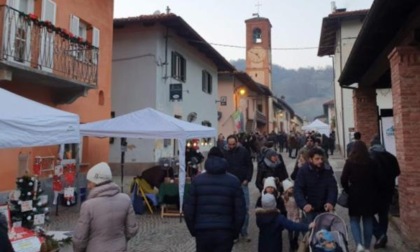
(271, 224)
(215, 200)
(315, 187)
(240, 163)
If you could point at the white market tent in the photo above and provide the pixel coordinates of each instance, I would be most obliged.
(26, 123)
(151, 124)
(319, 126)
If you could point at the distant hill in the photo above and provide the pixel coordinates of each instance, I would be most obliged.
(304, 89)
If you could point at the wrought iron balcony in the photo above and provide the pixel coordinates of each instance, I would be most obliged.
(35, 51)
(260, 117)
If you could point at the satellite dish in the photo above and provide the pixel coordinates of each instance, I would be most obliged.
(157, 12)
(191, 117)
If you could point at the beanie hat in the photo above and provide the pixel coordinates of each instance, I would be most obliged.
(268, 201)
(99, 173)
(269, 153)
(215, 151)
(270, 182)
(287, 184)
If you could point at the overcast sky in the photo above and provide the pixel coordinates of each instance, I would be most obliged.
(295, 24)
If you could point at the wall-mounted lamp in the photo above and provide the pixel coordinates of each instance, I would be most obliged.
(242, 91)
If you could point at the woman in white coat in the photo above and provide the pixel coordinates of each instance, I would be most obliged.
(107, 220)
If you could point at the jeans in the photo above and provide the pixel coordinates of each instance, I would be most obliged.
(380, 225)
(367, 230)
(244, 230)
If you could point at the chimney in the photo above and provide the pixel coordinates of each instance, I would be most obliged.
(333, 7)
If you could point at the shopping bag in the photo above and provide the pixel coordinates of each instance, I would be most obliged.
(304, 243)
(343, 199)
(137, 200)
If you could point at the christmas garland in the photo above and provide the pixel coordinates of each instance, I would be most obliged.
(51, 244)
(32, 18)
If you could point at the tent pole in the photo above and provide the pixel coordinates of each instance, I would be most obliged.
(123, 149)
(79, 196)
(122, 171)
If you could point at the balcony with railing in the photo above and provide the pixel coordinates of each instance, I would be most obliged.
(37, 52)
(260, 117)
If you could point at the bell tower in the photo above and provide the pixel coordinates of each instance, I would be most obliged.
(258, 50)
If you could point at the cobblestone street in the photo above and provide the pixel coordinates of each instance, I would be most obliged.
(169, 234)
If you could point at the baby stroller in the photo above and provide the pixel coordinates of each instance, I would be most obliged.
(333, 226)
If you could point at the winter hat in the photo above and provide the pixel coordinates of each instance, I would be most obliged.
(99, 173)
(268, 201)
(287, 184)
(215, 151)
(269, 153)
(270, 181)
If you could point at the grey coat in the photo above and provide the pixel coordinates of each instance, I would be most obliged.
(106, 221)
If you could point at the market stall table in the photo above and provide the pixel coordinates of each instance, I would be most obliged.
(169, 199)
(24, 240)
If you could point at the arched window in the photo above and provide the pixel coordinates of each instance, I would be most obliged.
(257, 36)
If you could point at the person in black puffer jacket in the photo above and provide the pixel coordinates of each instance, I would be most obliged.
(315, 188)
(214, 210)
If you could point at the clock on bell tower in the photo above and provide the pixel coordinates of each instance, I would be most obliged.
(258, 50)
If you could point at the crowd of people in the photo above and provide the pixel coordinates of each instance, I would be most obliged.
(293, 203)
(282, 142)
(217, 207)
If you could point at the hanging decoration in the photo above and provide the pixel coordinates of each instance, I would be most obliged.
(57, 187)
(69, 171)
(69, 175)
(33, 18)
(37, 167)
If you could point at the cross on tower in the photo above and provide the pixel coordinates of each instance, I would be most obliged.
(258, 5)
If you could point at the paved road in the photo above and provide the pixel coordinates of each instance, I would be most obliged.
(169, 234)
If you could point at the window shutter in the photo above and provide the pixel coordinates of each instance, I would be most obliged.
(203, 81)
(74, 29)
(183, 69)
(31, 6)
(74, 25)
(173, 64)
(210, 84)
(96, 36)
(48, 11)
(95, 42)
(13, 4)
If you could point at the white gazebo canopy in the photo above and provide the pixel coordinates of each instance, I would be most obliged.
(26, 123)
(151, 124)
(319, 126)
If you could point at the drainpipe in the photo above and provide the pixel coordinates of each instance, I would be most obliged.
(166, 54)
(335, 106)
(342, 98)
